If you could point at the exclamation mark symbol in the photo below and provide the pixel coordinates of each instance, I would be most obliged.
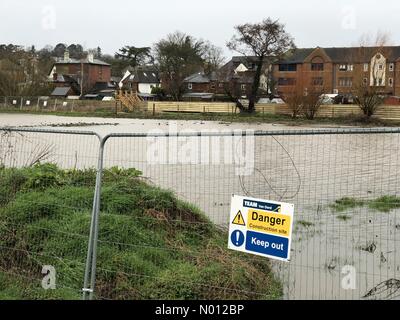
(237, 238)
(240, 219)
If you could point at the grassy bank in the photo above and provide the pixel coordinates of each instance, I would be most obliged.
(151, 245)
(221, 117)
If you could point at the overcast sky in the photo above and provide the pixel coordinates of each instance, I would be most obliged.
(112, 24)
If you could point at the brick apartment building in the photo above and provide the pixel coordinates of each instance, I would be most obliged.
(67, 71)
(339, 70)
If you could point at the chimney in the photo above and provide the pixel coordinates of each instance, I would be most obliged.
(66, 56)
(90, 58)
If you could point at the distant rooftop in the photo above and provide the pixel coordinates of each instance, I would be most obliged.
(78, 61)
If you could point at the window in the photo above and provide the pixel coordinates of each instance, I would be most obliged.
(391, 66)
(378, 82)
(390, 82)
(243, 86)
(317, 66)
(286, 81)
(288, 67)
(190, 86)
(365, 81)
(345, 82)
(212, 86)
(380, 66)
(366, 67)
(346, 67)
(319, 81)
(221, 85)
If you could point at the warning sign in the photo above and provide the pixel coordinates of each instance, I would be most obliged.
(261, 227)
(239, 219)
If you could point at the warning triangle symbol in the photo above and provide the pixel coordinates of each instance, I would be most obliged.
(239, 219)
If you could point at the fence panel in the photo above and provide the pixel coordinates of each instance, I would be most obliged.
(344, 184)
(45, 211)
(154, 244)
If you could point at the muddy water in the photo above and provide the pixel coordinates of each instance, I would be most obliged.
(309, 171)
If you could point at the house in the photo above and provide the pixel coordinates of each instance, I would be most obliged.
(339, 70)
(200, 86)
(141, 80)
(86, 73)
(237, 76)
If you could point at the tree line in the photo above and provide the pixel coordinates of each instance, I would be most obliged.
(24, 71)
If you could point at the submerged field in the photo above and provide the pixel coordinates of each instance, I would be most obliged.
(151, 245)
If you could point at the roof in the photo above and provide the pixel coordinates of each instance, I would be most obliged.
(202, 95)
(344, 54)
(101, 86)
(85, 61)
(143, 75)
(197, 78)
(61, 91)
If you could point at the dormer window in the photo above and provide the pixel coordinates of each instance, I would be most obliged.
(391, 67)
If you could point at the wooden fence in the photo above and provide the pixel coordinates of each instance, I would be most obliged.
(325, 111)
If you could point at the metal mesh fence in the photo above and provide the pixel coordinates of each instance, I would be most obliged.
(45, 211)
(154, 244)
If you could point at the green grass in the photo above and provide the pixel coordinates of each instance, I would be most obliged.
(382, 204)
(219, 117)
(344, 217)
(151, 245)
(305, 223)
(385, 204)
(346, 203)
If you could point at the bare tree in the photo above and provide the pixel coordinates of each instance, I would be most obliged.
(294, 101)
(312, 102)
(262, 40)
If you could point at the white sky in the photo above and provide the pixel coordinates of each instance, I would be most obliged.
(112, 24)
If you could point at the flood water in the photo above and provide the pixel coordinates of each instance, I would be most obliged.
(310, 171)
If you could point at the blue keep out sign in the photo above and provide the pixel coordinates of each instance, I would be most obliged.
(267, 244)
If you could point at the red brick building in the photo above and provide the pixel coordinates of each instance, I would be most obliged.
(67, 72)
(339, 70)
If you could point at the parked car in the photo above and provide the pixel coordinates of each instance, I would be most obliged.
(328, 98)
(345, 99)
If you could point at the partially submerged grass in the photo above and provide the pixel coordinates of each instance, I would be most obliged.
(346, 204)
(305, 223)
(151, 245)
(382, 204)
(344, 217)
(385, 204)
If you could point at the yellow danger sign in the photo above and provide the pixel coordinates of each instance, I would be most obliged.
(239, 219)
(272, 223)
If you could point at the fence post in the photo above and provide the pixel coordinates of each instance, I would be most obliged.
(91, 259)
(38, 104)
(5, 102)
(154, 109)
(22, 101)
(55, 105)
